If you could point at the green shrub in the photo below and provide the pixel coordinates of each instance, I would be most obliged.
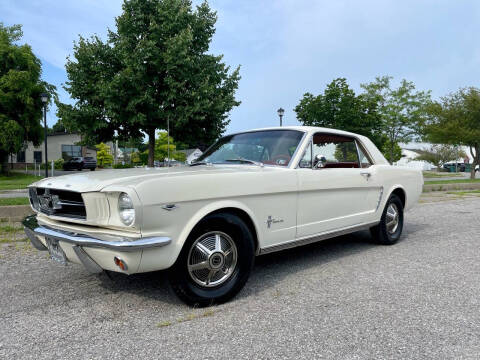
(58, 164)
(122, 166)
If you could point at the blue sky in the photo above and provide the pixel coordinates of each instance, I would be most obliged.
(288, 47)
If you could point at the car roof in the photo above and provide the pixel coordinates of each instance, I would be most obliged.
(308, 129)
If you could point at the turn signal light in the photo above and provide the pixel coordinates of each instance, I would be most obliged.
(120, 263)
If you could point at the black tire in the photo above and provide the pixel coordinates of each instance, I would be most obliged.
(381, 233)
(92, 169)
(183, 283)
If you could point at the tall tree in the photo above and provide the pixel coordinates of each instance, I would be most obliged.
(439, 154)
(402, 109)
(338, 107)
(455, 120)
(20, 89)
(90, 72)
(155, 67)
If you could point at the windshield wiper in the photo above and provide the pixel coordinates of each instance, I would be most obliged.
(245, 161)
(200, 163)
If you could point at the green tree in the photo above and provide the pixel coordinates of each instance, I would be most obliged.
(58, 127)
(20, 89)
(162, 144)
(155, 67)
(338, 107)
(402, 110)
(455, 120)
(104, 158)
(393, 153)
(89, 73)
(440, 154)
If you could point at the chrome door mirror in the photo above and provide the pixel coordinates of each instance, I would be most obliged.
(320, 161)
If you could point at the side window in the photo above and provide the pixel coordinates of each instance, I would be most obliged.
(364, 160)
(334, 151)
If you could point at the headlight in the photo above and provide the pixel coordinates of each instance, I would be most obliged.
(125, 209)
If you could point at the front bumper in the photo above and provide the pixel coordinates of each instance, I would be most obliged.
(81, 242)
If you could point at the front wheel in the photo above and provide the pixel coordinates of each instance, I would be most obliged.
(389, 230)
(215, 262)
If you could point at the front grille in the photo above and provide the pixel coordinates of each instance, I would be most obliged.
(58, 202)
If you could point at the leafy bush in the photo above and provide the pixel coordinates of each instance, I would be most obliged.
(58, 164)
(104, 158)
(122, 166)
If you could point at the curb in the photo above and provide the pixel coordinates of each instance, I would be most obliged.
(15, 212)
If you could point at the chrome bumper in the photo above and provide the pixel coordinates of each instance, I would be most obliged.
(32, 229)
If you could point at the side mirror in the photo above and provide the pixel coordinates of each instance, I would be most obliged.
(320, 161)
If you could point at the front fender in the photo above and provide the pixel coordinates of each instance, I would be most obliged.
(158, 259)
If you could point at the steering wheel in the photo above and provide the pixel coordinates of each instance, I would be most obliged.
(279, 159)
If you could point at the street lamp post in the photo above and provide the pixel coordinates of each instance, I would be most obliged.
(44, 98)
(280, 114)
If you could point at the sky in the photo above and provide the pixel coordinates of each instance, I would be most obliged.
(289, 47)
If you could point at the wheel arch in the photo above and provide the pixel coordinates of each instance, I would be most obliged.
(400, 192)
(231, 207)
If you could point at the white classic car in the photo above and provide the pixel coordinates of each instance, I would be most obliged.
(249, 194)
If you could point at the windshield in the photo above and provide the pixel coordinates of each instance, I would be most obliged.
(270, 147)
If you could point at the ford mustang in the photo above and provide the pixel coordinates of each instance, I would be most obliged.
(249, 194)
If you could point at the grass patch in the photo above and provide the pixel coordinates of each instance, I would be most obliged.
(17, 181)
(464, 193)
(454, 181)
(11, 232)
(14, 201)
(433, 174)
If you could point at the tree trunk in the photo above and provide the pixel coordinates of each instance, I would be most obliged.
(476, 159)
(151, 147)
(4, 163)
(391, 152)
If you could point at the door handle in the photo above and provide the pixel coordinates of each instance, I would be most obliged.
(366, 175)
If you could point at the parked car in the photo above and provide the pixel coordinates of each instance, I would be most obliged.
(458, 166)
(249, 194)
(80, 163)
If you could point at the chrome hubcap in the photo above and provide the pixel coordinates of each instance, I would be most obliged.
(392, 218)
(212, 259)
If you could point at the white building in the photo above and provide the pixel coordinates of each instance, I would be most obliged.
(61, 145)
(409, 160)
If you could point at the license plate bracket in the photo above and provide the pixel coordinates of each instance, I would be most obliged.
(56, 252)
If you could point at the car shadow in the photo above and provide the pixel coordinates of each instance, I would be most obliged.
(269, 269)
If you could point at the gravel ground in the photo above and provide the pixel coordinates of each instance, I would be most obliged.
(343, 298)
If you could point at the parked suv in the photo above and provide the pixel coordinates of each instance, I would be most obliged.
(79, 163)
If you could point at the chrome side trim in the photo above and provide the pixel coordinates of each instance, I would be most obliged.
(315, 238)
(117, 243)
(87, 261)
(379, 198)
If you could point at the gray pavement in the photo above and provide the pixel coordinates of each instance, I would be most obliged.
(344, 298)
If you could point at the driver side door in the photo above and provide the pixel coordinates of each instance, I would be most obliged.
(338, 193)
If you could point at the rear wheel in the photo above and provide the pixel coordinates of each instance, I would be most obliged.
(389, 230)
(215, 262)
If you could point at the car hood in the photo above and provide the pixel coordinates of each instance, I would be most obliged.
(98, 180)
